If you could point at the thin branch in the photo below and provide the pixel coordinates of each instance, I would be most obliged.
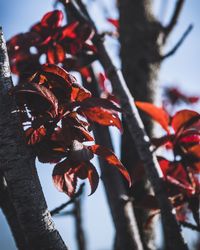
(121, 206)
(142, 142)
(190, 225)
(177, 10)
(80, 235)
(178, 44)
(122, 212)
(72, 200)
(65, 213)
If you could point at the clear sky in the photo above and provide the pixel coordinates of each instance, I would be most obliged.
(180, 70)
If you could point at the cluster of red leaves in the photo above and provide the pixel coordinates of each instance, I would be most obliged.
(69, 45)
(56, 113)
(181, 174)
(175, 96)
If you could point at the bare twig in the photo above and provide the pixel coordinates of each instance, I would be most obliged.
(177, 10)
(80, 235)
(190, 225)
(141, 140)
(72, 200)
(178, 44)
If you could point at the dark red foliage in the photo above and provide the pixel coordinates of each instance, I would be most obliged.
(184, 141)
(175, 96)
(49, 37)
(157, 113)
(53, 108)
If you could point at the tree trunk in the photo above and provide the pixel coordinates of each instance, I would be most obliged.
(18, 167)
(139, 33)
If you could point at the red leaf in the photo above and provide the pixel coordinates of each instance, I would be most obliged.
(69, 31)
(195, 150)
(177, 183)
(189, 138)
(52, 19)
(83, 134)
(35, 135)
(38, 98)
(114, 22)
(89, 171)
(85, 72)
(58, 71)
(101, 116)
(193, 99)
(64, 178)
(56, 54)
(100, 102)
(79, 93)
(157, 113)
(175, 174)
(93, 177)
(182, 118)
(111, 159)
(49, 151)
(102, 79)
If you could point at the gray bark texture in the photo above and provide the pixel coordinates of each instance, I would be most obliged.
(139, 32)
(17, 163)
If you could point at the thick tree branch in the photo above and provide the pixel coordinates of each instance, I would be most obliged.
(17, 163)
(136, 128)
(178, 44)
(173, 21)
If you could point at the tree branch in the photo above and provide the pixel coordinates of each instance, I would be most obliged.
(172, 229)
(80, 235)
(178, 44)
(71, 201)
(17, 162)
(189, 225)
(122, 211)
(177, 10)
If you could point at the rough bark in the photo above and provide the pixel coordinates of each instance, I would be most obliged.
(139, 33)
(11, 216)
(18, 166)
(120, 205)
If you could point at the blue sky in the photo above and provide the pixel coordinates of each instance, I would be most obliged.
(181, 70)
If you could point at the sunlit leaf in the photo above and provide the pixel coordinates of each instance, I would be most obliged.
(101, 116)
(183, 117)
(157, 113)
(52, 19)
(111, 159)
